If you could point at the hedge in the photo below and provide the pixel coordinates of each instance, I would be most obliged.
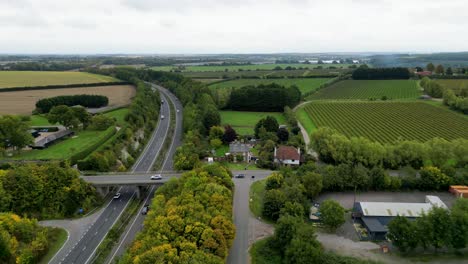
(85, 152)
(62, 86)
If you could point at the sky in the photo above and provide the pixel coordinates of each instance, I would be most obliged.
(230, 26)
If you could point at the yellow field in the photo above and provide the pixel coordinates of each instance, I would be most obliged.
(37, 78)
(24, 102)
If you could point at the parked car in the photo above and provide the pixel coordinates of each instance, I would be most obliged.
(117, 196)
(239, 176)
(156, 177)
(145, 210)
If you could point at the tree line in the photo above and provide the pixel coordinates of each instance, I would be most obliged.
(85, 100)
(365, 73)
(439, 229)
(264, 98)
(48, 190)
(189, 221)
(455, 101)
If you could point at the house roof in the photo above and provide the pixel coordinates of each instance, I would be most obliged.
(287, 153)
(238, 147)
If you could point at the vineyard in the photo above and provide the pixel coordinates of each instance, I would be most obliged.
(358, 89)
(388, 121)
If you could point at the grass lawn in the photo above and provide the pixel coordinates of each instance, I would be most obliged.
(221, 150)
(366, 89)
(66, 148)
(39, 120)
(257, 191)
(386, 122)
(56, 238)
(305, 85)
(241, 166)
(268, 66)
(244, 122)
(118, 114)
(43, 78)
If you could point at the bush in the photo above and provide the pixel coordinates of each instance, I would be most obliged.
(85, 100)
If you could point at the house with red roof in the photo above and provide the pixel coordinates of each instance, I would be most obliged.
(287, 155)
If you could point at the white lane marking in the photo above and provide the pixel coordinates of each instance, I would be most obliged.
(102, 239)
(66, 241)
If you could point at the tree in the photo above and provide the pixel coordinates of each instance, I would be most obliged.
(216, 132)
(283, 134)
(82, 115)
(419, 69)
(430, 67)
(285, 230)
(273, 201)
(63, 115)
(459, 215)
(313, 183)
(304, 247)
(402, 233)
(293, 209)
(269, 123)
(439, 69)
(101, 122)
(332, 214)
(211, 117)
(229, 134)
(433, 179)
(274, 181)
(14, 132)
(216, 143)
(441, 223)
(449, 71)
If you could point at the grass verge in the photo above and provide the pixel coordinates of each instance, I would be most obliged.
(257, 191)
(56, 237)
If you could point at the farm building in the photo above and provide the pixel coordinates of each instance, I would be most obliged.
(46, 139)
(375, 216)
(287, 155)
(241, 149)
(460, 191)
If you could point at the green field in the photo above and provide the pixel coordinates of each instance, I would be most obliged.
(244, 122)
(264, 74)
(38, 78)
(305, 84)
(39, 120)
(454, 84)
(268, 66)
(385, 121)
(118, 114)
(66, 148)
(359, 89)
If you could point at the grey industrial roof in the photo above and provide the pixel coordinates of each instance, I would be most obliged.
(374, 225)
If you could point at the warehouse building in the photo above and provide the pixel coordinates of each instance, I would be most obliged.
(375, 216)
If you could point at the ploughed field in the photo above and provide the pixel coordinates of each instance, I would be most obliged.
(367, 89)
(385, 121)
(24, 102)
(305, 85)
(10, 79)
(244, 122)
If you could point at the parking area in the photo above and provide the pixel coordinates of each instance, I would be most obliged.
(346, 200)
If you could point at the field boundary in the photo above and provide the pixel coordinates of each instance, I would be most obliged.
(62, 86)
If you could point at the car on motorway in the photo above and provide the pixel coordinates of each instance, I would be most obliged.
(162, 116)
(145, 210)
(117, 196)
(177, 110)
(156, 177)
(239, 175)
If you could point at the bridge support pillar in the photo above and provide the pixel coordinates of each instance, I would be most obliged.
(103, 191)
(139, 191)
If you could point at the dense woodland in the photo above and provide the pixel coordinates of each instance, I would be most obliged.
(264, 98)
(190, 220)
(85, 100)
(365, 73)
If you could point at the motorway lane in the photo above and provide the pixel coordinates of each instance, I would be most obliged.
(129, 179)
(87, 245)
(239, 252)
(137, 223)
(83, 250)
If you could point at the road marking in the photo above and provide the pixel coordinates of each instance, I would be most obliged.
(84, 248)
(68, 238)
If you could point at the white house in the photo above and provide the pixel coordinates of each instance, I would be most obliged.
(287, 155)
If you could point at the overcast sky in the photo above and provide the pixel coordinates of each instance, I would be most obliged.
(230, 26)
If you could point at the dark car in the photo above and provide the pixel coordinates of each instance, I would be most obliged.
(239, 175)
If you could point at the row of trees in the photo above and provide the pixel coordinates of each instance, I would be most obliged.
(85, 100)
(365, 73)
(41, 191)
(438, 229)
(22, 240)
(336, 148)
(190, 220)
(264, 98)
(457, 102)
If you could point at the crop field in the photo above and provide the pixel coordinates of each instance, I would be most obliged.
(386, 121)
(23, 102)
(37, 78)
(263, 73)
(268, 66)
(454, 84)
(244, 122)
(66, 148)
(304, 84)
(366, 89)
